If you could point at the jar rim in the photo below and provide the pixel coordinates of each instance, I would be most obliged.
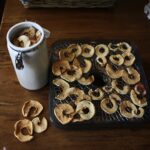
(21, 25)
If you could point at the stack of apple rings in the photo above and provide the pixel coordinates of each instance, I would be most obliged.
(27, 37)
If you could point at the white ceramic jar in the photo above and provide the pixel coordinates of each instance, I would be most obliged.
(35, 59)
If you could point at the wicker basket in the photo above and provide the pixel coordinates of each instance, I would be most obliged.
(68, 3)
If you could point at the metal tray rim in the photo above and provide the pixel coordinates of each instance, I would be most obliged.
(110, 124)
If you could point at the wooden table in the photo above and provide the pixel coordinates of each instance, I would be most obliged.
(125, 21)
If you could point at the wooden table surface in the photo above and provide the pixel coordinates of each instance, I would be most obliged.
(125, 21)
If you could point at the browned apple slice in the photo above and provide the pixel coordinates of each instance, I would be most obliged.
(21, 125)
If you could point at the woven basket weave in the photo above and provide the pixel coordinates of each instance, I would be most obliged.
(68, 3)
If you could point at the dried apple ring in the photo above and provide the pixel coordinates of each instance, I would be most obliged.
(65, 54)
(60, 67)
(87, 97)
(116, 59)
(83, 97)
(24, 41)
(72, 74)
(85, 64)
(101, 61)
(129, 59)
(75, 49)
(96, 94)
(39, 126)
(141, 102)
(101, 50)
(125, 47)
(127, 109)
(38, 35)
(77, 94)
(86, 109)
(64, 113)
(30, 32)
(113, 47)
(140, 89)
(86, 80)
(31, 108)
(131, 76)
(109, 105)
(87, 50)
(139, 113)
(121, 89)
(113, 72)
(115, 97)
(107, 88)
(21, 125)
(63, 85)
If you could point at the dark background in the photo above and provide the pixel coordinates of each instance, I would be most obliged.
(2, 2)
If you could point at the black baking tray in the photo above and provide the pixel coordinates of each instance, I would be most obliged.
(101, 119)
